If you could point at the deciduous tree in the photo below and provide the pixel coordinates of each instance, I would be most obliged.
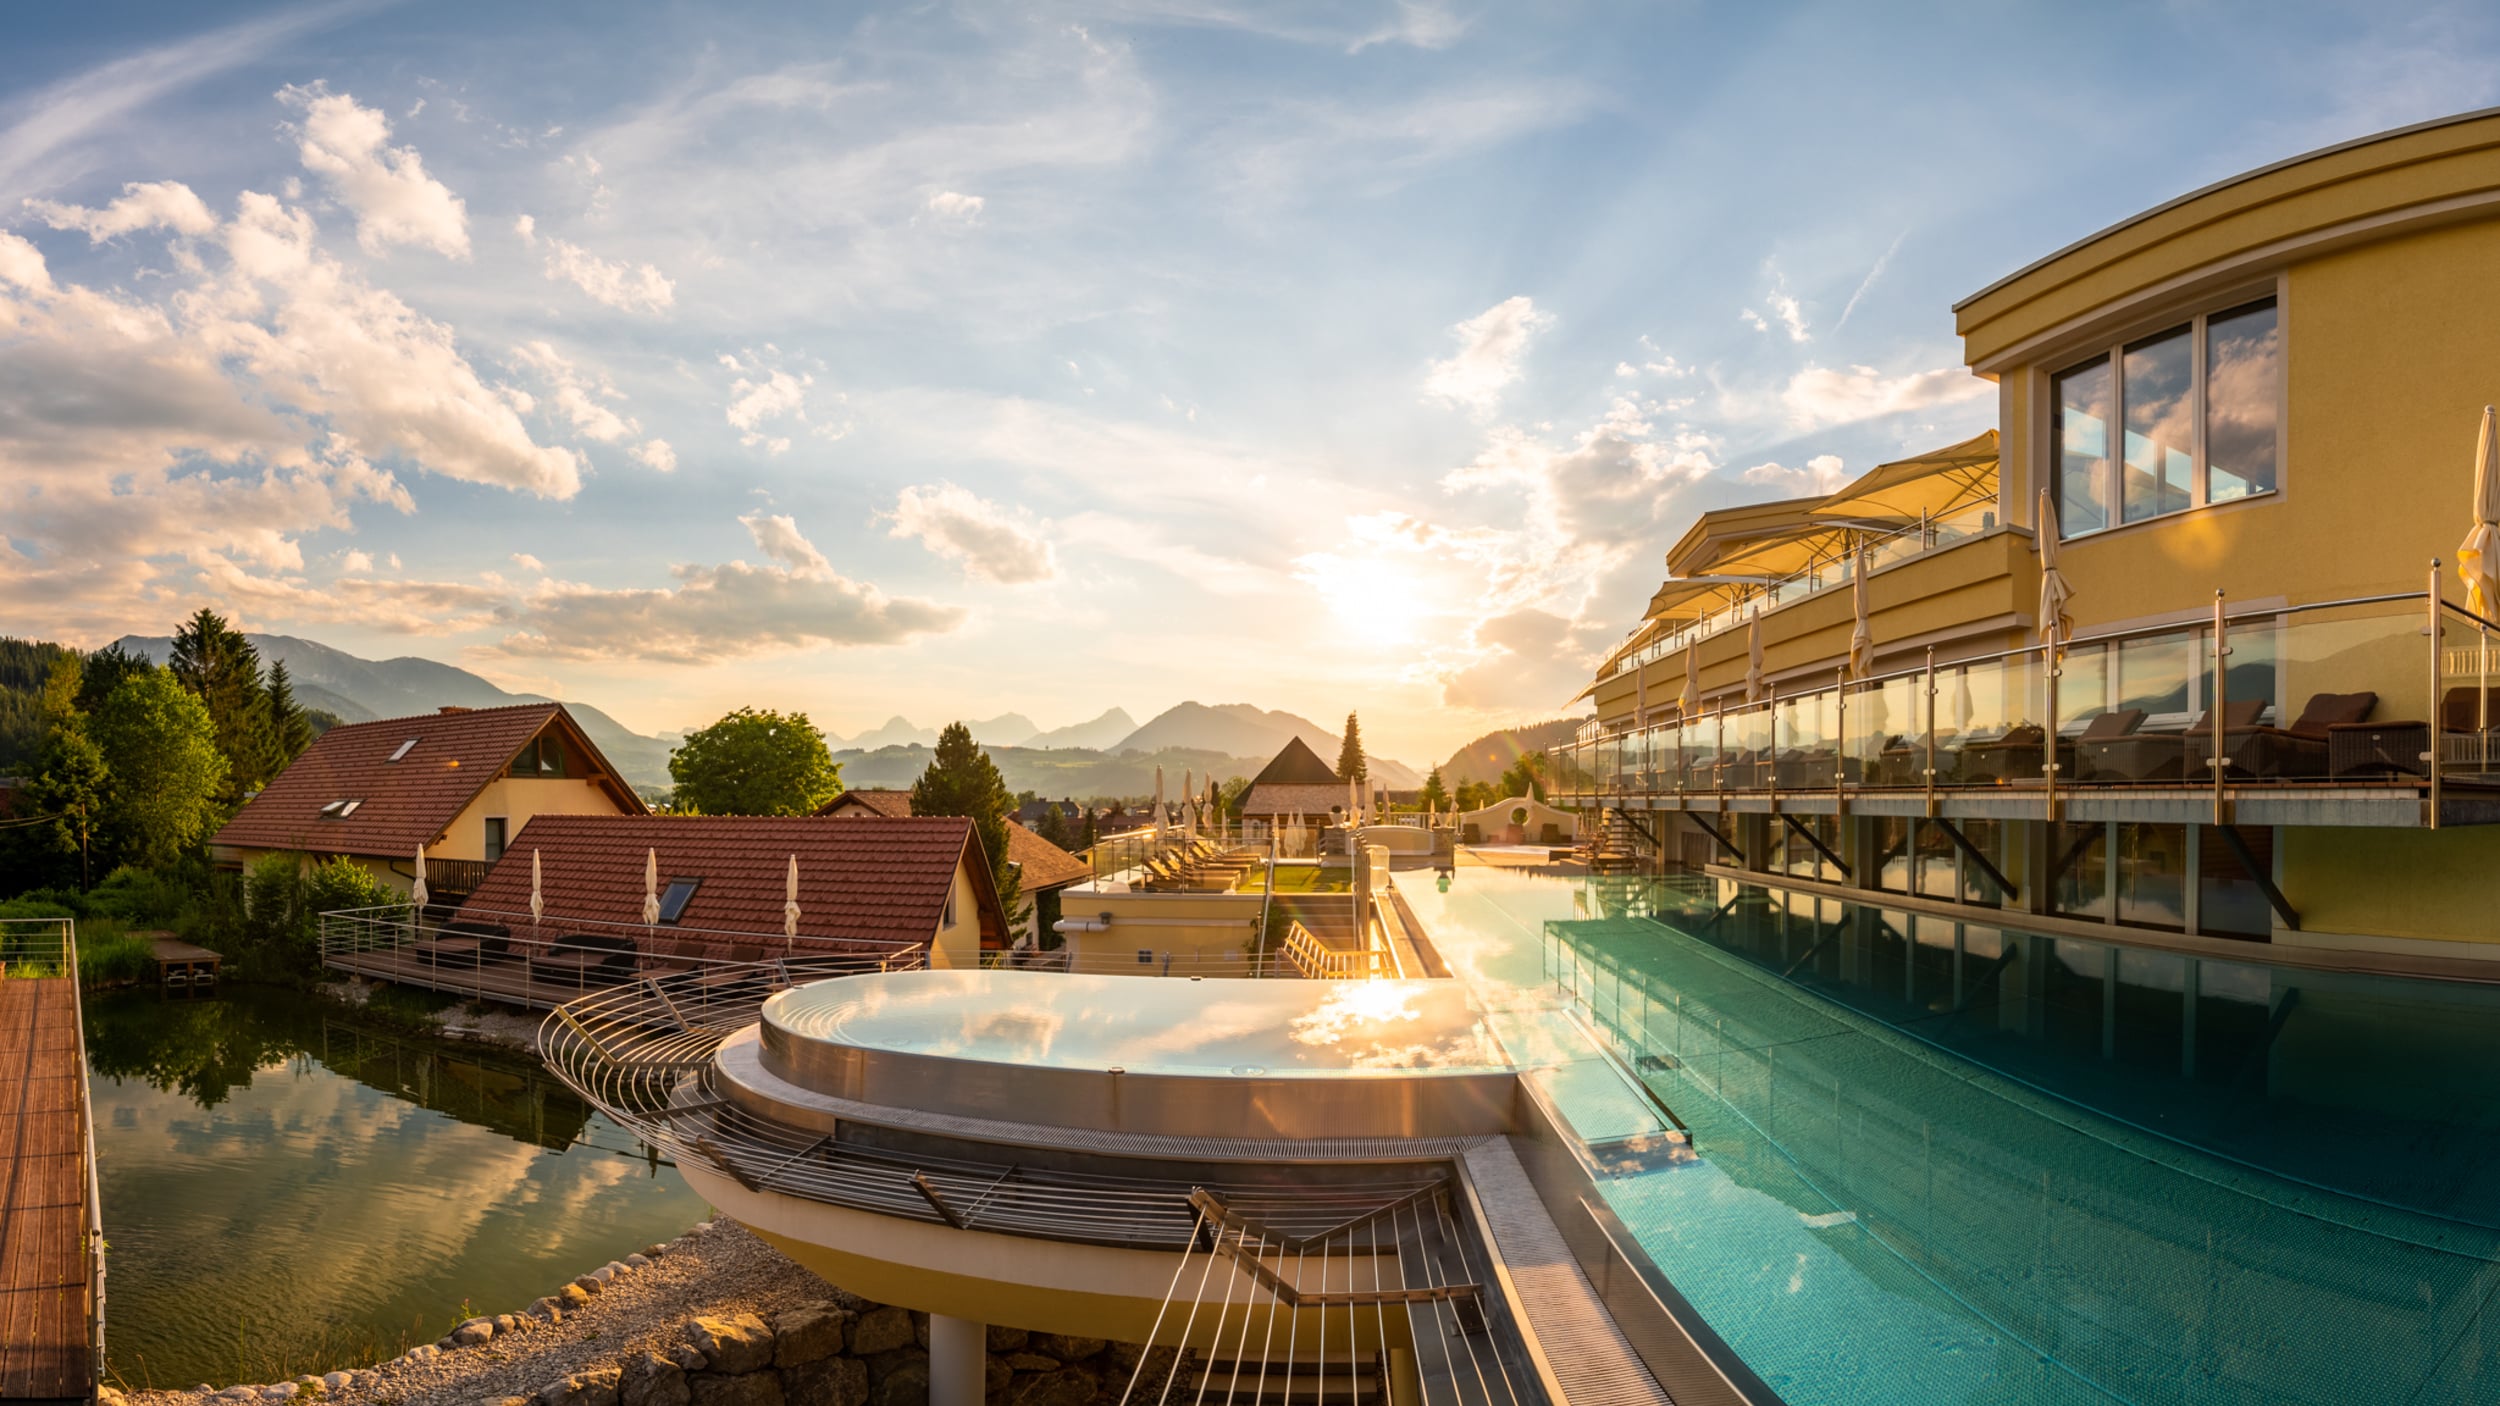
(755, 762)
(159, 745)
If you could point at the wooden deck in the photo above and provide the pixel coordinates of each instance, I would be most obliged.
(45, 1351)
(180, 963)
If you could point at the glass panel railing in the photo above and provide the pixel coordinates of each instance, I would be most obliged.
(1990, 728)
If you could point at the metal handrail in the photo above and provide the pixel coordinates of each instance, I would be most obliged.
(92, 1232)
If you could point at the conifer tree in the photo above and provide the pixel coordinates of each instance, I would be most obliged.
(962, 780)
(219, 667)
(290, 729)
(1350, 764)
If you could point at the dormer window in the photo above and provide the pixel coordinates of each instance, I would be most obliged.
(674, 898)
(401, 752)
(340, 810)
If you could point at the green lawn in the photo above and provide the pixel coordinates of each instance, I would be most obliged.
(1301, 878)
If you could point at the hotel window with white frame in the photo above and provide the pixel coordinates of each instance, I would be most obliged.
(2184, 418)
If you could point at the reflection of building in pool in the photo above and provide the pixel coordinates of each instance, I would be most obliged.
(1318, 1188)
(1919, 1076)
(2238, 429)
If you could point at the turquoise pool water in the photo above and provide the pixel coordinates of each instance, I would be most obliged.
(1954, 1163)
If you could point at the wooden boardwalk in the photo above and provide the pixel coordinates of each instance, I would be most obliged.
(46, 1353)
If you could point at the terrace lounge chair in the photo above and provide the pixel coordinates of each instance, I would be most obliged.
(2358, 749)
(2270, 752)
(2157, 756)
(465, 944)
(582, 960)
(2013, 755)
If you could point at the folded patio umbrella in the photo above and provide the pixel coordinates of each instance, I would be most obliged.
(1862, 632)
(538, 903)
(416, 891)
(790, 904)
(1753, 658)
(2478, 561)
(1690, 699)
(650, 887)
(2057, 625)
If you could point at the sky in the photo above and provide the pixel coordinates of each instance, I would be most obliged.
(944, 360)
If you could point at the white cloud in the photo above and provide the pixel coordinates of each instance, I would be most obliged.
(358, 563)
(581, 400)
(729, 611)
(1490, 346)
(1419, 23)
(760, 397)
(619, 285)
(1791, 315)
(1821, 474)
(22, 265)
(955, 205)
(1818, 397)
(777, 536)
(655, 455)
(143, 205)
(393, 199)
(523, 560)
(985, 539)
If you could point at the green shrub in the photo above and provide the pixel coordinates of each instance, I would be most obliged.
(339, 882)
(143, 898)
(109, 953)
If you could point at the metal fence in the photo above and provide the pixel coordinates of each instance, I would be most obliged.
(47, 949)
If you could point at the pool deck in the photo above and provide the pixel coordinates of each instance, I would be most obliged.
(46, 1351)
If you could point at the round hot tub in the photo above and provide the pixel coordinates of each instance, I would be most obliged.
(1147, 1055)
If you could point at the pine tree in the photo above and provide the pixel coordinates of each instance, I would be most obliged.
(1350, 764)
(962, 780)
(1436, 791)
(219, 667)
(290, 729)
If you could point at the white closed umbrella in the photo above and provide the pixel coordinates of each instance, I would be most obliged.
(2478, 561)
(1962, 707)
(1753, 658)
(650, 887)
(538, 901)
(416, 891)
(790, 903)
(1862, 630)
(1689, 701)
(2057, 624)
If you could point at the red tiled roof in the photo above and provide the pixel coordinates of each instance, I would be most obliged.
(885, 803)
(406, 803)
(1043, 865)
(883, 882)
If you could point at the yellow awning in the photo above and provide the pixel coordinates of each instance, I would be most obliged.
(1793, 551)
(1937, 483)
(1686, 600)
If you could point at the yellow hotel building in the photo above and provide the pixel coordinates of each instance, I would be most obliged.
(2253, 411)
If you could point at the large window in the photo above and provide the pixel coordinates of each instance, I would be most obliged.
(2197, 414)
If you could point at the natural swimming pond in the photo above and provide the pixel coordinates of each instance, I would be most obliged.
(288, 1188)
(1956, 1162)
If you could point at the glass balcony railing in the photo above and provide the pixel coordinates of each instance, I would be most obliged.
(1880, 550)
(2349, 692)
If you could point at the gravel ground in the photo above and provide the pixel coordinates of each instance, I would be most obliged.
(714, 1269)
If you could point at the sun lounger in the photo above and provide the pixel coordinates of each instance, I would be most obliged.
(465, 944)
(580, 961)
(2269, 752)
(2157, 756)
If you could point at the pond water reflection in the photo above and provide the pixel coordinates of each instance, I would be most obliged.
(289, 1190)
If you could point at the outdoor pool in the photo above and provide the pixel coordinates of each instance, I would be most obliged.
(1950, 1162)
(289, 1190)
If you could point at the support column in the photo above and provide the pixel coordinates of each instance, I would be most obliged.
(958, 1361)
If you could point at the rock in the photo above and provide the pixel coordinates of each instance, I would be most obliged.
(653, 1252)
(473, 1332)
(108, 1396)
(638, 1261)
(309, 1382)
(589, 1283)
(283, 1391)
(996, 1376)
(239, 1393)
(573, 1295)
(844, 1298)
(733, 1345)
(1033, 1361)
(512, 1401)
(593, 1388)
(808, 1333)
(366, 1377)
(1069, 1386)
(906, 1385)
(887, 1363)
(881, 1330)
(337, 1381)
(749, 1389)
(920, 1328)
(652, 1380)
(1067, 1349)
(607, 1273)
(1004, 1339)
(506, 1322)
(421, 1354)
(830, 1381)
(687, 1358)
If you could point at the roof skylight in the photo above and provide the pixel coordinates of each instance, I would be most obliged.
(674, 898)
(403, 749)
(340, 810)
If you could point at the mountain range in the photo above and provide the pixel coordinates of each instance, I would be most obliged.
(1110, 755)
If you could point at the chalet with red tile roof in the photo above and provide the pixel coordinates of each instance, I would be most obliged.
(1045, 868)
(460, 782)
(907, 882)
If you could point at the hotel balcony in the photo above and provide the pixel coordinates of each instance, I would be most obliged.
(2379, 711)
